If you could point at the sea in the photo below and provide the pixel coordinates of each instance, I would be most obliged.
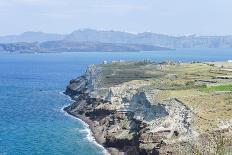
(32, 121)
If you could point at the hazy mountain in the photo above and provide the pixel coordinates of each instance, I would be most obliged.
(147, 38)
(151, 39)
(91, 35)
(71, 46)
(31, 37)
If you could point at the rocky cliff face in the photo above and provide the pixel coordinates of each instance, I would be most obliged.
(126, 118)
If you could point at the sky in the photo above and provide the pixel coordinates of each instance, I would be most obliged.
(173, 17)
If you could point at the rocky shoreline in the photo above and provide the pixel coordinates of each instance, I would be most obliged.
(91, 128)
(79, 90)
(123, 103)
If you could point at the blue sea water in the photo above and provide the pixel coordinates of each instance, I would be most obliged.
(31, 119)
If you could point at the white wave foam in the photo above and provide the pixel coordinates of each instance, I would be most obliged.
(62, 93)
(87, 130)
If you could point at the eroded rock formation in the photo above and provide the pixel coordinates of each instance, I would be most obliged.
(128, 119)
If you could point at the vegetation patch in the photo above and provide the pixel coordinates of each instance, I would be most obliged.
(226, 87)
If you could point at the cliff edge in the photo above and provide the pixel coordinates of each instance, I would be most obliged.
(145, 108)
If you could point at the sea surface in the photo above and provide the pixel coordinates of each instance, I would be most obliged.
(31, 118)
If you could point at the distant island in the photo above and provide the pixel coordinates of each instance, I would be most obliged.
(148, 108)
(108, 41)
(73, 46)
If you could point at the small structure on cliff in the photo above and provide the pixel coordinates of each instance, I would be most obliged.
(105, 62)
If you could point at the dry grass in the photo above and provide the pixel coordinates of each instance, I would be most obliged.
(195, 84)
(192, 83)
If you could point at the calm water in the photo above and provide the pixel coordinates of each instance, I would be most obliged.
(31, 120)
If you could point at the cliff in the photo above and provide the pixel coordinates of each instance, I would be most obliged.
(141, 108)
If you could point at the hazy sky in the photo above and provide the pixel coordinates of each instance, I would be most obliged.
(175, 17)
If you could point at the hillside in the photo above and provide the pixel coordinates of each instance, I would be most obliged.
(141, 108)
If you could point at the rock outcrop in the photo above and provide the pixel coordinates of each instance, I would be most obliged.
(127, 119)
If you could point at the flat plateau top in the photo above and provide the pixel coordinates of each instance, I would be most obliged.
(205, 87)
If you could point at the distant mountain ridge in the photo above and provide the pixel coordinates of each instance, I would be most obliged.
(146, 38)
(31, 37)
(73, 46)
